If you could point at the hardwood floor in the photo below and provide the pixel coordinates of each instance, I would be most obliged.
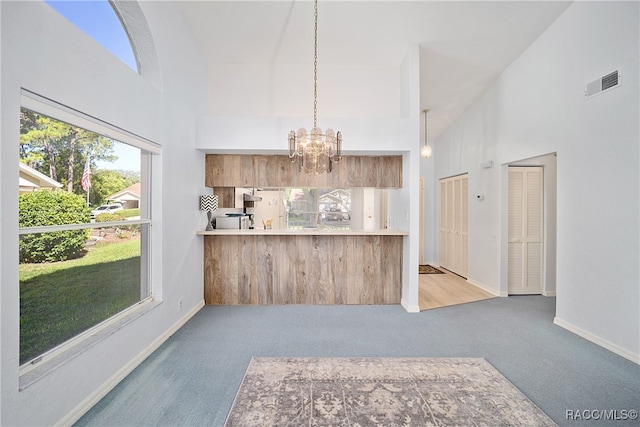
(442, 290)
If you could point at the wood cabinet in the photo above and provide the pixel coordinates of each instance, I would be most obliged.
(235, 170)
(226, 196)
(258, 269)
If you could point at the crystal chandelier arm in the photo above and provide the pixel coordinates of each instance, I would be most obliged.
(292, 145)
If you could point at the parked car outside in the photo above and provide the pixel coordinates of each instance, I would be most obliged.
(334, 214)
(111, 208)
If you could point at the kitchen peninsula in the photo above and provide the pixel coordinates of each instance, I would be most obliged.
(303, 266)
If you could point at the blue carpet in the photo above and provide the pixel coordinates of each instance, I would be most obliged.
(192, 379)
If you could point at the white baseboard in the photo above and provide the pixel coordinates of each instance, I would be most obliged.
(410, 308)
(620, 351)
(549, 293)
(487, 288)
(105, 388)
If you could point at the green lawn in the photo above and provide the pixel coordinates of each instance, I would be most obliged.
(128, 213)
(62, 299)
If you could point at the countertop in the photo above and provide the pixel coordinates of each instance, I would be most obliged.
(302, 232)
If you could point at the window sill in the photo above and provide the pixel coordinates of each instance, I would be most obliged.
(33, 374)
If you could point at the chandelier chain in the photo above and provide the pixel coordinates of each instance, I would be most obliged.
(315, 151)
(315, 64)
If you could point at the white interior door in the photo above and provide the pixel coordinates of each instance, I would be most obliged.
(270, 208)
(525, 230)
(454, 224)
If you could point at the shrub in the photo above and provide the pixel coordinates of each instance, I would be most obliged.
(108, 217)
(52, 208)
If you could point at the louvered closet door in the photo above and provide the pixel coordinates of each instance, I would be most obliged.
(525, 230)
(451, 243)
(464, 226)
(453, 224)
(444, 224)
(457, 225)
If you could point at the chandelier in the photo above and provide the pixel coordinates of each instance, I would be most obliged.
(426, 148)
(315, 151)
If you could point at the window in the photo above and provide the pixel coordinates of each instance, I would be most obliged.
(84, 222)
(318, 208)
(100, 22)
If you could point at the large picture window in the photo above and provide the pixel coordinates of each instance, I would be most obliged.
(84, 218)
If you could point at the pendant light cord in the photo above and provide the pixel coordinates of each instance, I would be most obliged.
(425, 126)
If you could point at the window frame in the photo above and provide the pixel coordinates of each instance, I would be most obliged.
(148, 150)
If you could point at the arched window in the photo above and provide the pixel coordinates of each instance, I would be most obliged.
(99, 20)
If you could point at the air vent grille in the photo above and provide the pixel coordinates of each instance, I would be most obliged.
(608, 82)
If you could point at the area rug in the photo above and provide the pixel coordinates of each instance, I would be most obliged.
(428, 269)
(384, 392)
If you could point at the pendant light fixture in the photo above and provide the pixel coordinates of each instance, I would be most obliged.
(426, 148)
(315, 151)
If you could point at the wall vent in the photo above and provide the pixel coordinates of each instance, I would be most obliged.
(603, 84)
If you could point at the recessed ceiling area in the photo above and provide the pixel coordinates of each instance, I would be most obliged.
(464, 45)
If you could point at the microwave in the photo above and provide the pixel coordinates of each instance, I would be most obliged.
(232, 222)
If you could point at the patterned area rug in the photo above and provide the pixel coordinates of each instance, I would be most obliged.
(385, 392)
(428, 269)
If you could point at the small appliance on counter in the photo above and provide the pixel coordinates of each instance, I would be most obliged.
(250, 201)
(251, 198)
(232, 222)
(249, 213)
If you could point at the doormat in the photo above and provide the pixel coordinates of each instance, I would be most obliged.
(427, 269)
(379, 392)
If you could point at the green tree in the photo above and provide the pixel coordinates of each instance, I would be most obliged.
(45, 207)
(59, 149)
(106, 182)
(40, 137)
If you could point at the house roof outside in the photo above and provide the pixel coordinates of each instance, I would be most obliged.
(31, 180)
(132, 192)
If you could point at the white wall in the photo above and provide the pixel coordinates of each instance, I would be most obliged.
(252, 107)
(44, 53)
(431, 206)
(287, 90)
(404, 204)
(389, 127)
(256, 134)
(537, 107)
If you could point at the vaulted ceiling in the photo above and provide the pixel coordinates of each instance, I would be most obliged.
(464, 45)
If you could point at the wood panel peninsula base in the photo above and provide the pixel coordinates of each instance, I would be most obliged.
(267, 267)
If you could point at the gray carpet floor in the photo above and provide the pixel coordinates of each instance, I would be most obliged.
(192, 379)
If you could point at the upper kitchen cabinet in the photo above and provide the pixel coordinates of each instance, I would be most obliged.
(235, 170)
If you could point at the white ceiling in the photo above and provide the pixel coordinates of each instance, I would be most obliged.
(464, 45)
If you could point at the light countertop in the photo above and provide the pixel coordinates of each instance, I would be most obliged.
(302, 232)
